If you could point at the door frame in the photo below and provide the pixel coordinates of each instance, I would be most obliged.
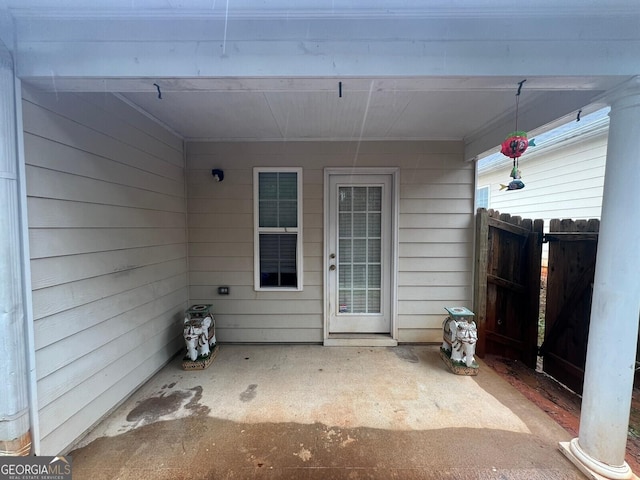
(364, 339)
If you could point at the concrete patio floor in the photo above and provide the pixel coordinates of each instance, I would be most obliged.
(307, 412)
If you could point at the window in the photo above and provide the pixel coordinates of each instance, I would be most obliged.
(277, 194)
(482, 197)
(360, 248)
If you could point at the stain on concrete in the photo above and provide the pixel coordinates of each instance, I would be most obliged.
(169, 385)
(406, 353)
(197, 447)
(249, 394)
(194, 404)
(151, 409)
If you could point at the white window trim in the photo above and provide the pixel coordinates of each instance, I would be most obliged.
(257, 230)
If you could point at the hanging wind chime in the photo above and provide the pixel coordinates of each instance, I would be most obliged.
(514, 146)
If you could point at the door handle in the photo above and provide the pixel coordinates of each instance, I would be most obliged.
(332, 268)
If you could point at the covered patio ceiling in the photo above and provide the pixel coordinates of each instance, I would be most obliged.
(348, 108)
(300, 70)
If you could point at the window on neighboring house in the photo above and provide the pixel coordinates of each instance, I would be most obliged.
(482, 197)
(277, 194)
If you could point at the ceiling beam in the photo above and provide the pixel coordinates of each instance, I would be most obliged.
(108, 47)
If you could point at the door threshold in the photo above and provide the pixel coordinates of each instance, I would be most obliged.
(359, 340)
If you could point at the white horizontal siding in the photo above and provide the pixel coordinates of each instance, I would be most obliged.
(271, 335)
(138, 362)
(107, 232)
(104, 376)
(58, 326)
(137, 119)
(310, 292)
(435, 251)
(435, 234)
(53, 213)
(64, 130)
(44, 184)
(105, 338)
(44, 153)
(47, 272)
(562, 182)
(58, 298)
(45, 242)
(98, 116)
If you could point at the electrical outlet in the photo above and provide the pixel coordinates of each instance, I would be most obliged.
(223, 290)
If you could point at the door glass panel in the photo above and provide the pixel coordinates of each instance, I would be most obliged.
(375, 199)
(359, 249)
(345, 225)
(359, 199)
(373, 301)
(374, 252)
(345, 274)
(374, 225)
(345, 250)
(373, 276)
(359, 276)
(360, 225)
(344, 301)
(359, 301)
(345, 203)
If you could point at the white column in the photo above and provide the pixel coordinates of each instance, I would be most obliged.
(15, 435)
(615, 311)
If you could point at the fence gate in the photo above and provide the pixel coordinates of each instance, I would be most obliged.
(572, 264)
(507, 285)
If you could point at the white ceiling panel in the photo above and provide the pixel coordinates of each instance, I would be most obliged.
(317, 114)
(444, 115)
(369, 109)
(222, 115)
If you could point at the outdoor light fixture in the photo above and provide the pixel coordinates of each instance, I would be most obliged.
(218, 174)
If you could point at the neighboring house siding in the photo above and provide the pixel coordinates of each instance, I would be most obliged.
(106, 211)
(435, 234)
(563, 181)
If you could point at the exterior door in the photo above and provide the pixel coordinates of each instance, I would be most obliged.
(359, 247)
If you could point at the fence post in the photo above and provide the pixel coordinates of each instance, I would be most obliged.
(480, 281)
(534, 262)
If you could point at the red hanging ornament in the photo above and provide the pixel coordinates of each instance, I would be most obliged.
(515, 144)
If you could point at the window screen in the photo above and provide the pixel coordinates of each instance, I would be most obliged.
(278, 232)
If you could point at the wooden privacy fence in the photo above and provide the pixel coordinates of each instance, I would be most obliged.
(572, 266)
(507, 285)
(507, 291)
